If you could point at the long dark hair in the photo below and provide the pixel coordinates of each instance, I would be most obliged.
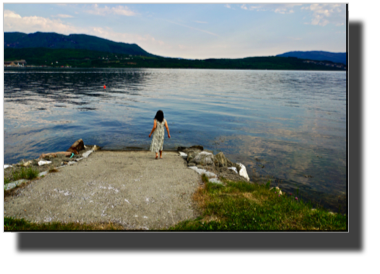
(159, 116)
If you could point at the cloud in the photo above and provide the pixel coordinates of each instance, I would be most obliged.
(145, 41)
(29, 24)
(205, 31)
(11, 14)
(62, 16)
(295, 38)
(283, 11)
(103, 11)
(323, 14)
(277, 8)
(227, 6)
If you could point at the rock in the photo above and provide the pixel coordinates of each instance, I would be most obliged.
(198, 170)
(28, 163)
(191, 154)
(95, 148)
(215, 181)
(6, 166)
(210, 174)
(223, 169)
(41, 163)
(87, 153)
(243, 171)
(77, 146)
(43, 173)
(201, 171)
(183, 155)
(14, 184)
(191, 164)
(181, 148)
(186, 149)
(9, 186)
(221, 160)
(278, 190)
(233, 169)
(196, 147)
(203, 158)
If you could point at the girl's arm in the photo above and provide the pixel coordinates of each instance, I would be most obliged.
(167, 128)
(154, 127)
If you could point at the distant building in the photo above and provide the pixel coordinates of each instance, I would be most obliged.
(16, 63)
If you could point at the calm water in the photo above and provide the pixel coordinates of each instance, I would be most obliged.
(286, 126)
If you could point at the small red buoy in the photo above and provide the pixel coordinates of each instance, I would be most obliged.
(104, 86)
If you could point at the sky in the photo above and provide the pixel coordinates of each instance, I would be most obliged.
(195, 31)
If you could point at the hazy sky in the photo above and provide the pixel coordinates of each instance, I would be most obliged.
(193, 30)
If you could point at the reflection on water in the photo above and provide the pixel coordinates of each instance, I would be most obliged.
(286, 126)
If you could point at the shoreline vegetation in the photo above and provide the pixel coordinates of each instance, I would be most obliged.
(81, 58)
(226, 201)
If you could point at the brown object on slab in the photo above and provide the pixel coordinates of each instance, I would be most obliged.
(77, 146)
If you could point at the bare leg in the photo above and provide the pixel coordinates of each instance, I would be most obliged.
(160, 154)
(156, 155)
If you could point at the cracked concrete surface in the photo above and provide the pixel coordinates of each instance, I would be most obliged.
(130, 188)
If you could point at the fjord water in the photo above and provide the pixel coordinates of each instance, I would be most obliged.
(288, 127)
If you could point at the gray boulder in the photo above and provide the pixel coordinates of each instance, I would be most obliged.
(191, 154)
(221, 161)
(203, 158)
(186, 149)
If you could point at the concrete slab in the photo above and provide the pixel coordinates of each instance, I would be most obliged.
(130, 188)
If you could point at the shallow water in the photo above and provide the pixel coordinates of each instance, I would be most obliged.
(286, 126)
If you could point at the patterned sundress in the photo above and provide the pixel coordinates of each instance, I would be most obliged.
(158, 137)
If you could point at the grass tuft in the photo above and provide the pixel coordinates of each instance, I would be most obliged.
(247, 206)
(28, 173)
(11, 224)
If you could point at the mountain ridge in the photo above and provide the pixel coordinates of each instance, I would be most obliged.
(317, 55)
(54, 40)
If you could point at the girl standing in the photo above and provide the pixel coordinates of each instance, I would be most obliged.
(158, 131)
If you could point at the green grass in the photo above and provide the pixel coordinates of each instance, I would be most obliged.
(28, 173)
(11, 224)
(247, 206)
(6, 181)
(232, 206)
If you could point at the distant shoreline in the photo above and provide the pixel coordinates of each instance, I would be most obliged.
(64, 68)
